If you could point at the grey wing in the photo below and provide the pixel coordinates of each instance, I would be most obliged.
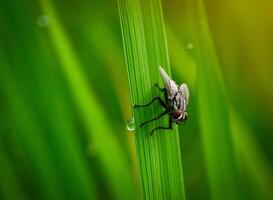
(171, 86)
(185, 94)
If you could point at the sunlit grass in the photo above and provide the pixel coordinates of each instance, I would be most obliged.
(145, 49)
(247, 149)
(65, 101)
(28, 135)
(112, 158)
(213, 112)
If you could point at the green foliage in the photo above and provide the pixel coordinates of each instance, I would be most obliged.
(213, 112)
(159, 160)
(247, 150)
(65, 99)
(115, 170)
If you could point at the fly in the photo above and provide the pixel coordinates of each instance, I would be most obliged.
(176, 101)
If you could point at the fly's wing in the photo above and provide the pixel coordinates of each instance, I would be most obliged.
(185, 94)
(171, 86)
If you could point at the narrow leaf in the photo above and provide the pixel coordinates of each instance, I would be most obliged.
(145, 48)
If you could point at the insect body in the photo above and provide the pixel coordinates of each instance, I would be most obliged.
(176, 101)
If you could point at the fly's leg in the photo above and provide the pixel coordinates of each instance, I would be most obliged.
(161, 102)
(161, 127)
(158, 117)
(163, 90)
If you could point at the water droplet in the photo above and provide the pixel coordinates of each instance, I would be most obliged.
(131, 124)
(43, 21)
(190, 46)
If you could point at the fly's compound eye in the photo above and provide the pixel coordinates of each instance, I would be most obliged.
(179, 116)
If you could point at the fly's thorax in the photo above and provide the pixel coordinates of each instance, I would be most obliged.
(179, 103)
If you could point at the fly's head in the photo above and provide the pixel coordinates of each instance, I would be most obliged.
(179, 116)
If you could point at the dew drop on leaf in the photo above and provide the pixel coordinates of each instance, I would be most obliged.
(190, 46)
(131, 124)
(43, 21)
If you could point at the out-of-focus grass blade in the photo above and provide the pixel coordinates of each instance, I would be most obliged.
(111, 56)
(30, 136)
(9, 187)
(113, 159)
(181, 59)
(159, 160)
(42, 100)
(253, 163)
(213, 111)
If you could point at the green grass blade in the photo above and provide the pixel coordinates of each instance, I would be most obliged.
(183, 62)
(159, 158)
(254, 166)
(111, 156)
(9, 187)
(30, 136)
(213, 112)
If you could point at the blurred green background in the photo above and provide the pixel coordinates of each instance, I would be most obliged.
(64, 97)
